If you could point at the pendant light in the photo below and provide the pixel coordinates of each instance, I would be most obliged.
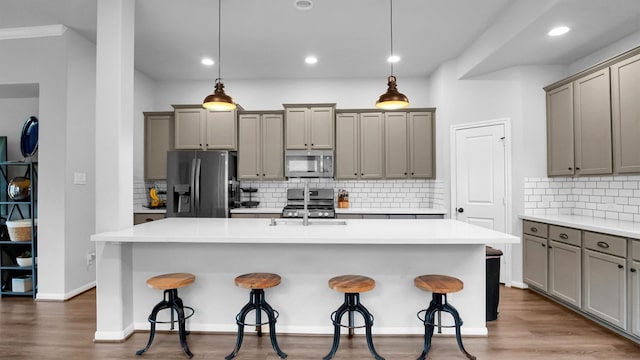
(219, 101)
(392, 99)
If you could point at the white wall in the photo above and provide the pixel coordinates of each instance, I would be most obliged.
(143, 89)
(64, 68)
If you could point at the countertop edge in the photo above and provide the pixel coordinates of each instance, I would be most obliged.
(609, 226)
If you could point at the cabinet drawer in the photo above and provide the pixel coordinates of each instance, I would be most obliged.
(607, 244)
(635, 250)
(565, 235)
(141, 218)
(535, 228)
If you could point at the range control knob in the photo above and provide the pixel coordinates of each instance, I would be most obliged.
(326, 214)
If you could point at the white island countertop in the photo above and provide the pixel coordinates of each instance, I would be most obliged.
(291, 231)
(350, 210)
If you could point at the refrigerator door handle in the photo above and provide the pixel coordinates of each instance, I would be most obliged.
(192, 181)
(196, 191)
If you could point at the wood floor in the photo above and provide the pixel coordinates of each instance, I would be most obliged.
(529, 327)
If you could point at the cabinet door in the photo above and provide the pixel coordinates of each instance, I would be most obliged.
(321, 127)
(347, 146)
(189, 124)
(564, 272)
(421, 145)
(605, 287)
(535, 261)
(272, 146)
(221, 130)
(249, 140)
(296, 128)
(395, 145)
(158, 139)
(592, 121)
(371, 145)
(625, 111)
(560, 131)
(635, 297)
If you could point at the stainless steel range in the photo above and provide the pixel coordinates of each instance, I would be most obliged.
(320, 204)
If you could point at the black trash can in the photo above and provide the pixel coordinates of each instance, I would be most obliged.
(493, 282)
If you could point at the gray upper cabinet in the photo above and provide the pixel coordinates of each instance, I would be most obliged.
(309, 126)
(158, 139)
(409, 145)
(592, 119)
(200, 129)
(260, 154)
(359, 145)
(625, 111)
(560, 131)
(579, 126)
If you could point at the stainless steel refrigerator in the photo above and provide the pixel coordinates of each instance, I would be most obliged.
(201, 183)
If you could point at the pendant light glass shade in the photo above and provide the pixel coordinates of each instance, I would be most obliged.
(219, 101)
(392, 99)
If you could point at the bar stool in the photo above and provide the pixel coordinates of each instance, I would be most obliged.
(439, 286)
(257, 282)
(170, 283)
(351, 286)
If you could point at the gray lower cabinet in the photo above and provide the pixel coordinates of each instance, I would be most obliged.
(535, 261)
(605, 284)
(635, 297)
(565, 264)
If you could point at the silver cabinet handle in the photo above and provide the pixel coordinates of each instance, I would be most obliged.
(603, 244)
(564, 236)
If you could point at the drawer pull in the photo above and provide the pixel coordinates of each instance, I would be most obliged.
(633, 270)
(534, 229)
(603, 244)
(620, 266)
(542, 245)
(564, 236)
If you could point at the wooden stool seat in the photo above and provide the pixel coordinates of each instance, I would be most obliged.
(258, 280)
(352, 283)
(440, 284)
(171, 281)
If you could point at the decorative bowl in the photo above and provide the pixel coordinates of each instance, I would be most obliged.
(24, 261)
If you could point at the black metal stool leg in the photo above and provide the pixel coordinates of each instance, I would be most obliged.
(152, 320)
(428, 329)
(272, 328)
(368, 324)
(240, 321)
(336, 330)
(458, 323)
(182, 330)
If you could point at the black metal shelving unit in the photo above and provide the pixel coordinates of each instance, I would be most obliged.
(17, 210)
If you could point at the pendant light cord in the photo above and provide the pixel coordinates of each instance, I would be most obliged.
(391, 26)
(219, 36)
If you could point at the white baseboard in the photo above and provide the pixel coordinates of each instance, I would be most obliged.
(66, 296)
(113, 336)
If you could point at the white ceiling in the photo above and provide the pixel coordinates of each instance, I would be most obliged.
(267, 39)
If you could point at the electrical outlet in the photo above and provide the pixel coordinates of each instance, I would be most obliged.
(91, 258)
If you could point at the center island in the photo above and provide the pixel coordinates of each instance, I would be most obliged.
(216, 250)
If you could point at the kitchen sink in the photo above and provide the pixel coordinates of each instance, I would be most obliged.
(275, 222)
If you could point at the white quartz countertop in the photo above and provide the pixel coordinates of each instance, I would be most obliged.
(139, 209)
(258, 231)
(399, 211)
(609, 226)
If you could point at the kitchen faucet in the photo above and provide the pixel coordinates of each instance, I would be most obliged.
(305, 212)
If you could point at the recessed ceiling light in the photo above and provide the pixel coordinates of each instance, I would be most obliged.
(303, 4)
(393, 58)
(557, 31)
(311, 60)
(207, 61)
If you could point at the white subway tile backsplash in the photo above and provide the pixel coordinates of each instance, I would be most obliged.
(611, 197)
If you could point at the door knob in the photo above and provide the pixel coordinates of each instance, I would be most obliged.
(460, 210)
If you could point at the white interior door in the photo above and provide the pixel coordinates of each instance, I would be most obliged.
(479, 195)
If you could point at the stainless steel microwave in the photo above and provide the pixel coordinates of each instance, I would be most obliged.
(308, 163)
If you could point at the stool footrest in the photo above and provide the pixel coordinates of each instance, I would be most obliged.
(335, 322)
(176, 320)
(422, 318)
(241, 323)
